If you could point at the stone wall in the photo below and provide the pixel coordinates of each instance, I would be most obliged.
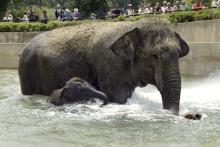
(203, 38)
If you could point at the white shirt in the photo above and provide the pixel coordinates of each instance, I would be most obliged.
(25, 18)
(148, 10)
(214, 4)
(163, 9)
(130, 11)
(218, 3)
(139, 11)
(9, 18)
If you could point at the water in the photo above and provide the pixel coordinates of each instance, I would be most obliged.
(29, 121)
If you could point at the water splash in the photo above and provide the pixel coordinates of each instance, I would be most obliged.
(199, 94)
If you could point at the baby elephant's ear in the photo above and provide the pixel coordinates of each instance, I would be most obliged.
(126, 46)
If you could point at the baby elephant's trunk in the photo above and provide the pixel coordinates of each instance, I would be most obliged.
(102, 96)
(55, 97)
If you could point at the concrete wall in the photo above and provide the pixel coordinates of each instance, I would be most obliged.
(203, 38)
(11, 44)
(202, 59)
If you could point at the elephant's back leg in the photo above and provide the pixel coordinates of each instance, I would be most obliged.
(25, 64)
(35, 72)
(44, 78)
(30, 72)
(29, 66)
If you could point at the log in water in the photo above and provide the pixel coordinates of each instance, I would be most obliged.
(30, 121)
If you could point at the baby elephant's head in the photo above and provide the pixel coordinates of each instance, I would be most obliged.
(193, 115)
(76, 90)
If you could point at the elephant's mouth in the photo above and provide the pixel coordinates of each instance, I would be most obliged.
(142, 83)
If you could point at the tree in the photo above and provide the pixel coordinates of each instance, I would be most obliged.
(157, 1)
(123, 3)
(87, 7)
(3, 7)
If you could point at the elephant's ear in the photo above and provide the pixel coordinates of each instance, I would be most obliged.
(125, 47)
(184, 48)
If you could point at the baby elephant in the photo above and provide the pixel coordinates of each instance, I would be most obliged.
(76, 90)
(193, 115)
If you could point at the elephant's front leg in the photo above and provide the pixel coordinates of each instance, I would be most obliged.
(76, 90)
(119, 94)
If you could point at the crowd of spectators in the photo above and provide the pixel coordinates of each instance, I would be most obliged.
(32, 16)
(64, 14)
(29, 16)
(165, 7)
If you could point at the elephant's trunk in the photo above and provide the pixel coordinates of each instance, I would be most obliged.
(171, 89)
(101, 96)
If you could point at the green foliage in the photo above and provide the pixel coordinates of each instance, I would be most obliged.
(39, 10)
(87, 7)
(28, 27)
(216, 14)
(21, 27)
(178, 17)
(121, 18)
(203, 15)
(123, 3)
(207, 14)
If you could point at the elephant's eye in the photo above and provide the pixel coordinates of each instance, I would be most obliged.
(164, 50)
(156, 56)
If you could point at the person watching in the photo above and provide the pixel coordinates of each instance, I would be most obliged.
(218, 3)
(67, 15)
(76, 14)
(58, 12)
(169, 8)
(148, 9)
(157, 8)
(163, 8)
(24, 18)
(197, 5)
(8, 17)
(214, 4)
(177, 6)
(33, 17)
(130, 10)
(184, 6)
(44, 18)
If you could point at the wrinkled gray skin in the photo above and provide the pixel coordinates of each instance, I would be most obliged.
(76, 90)
(113, 57)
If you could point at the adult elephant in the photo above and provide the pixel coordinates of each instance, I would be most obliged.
(114, 57)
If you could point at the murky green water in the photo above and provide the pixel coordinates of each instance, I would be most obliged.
(29, 121)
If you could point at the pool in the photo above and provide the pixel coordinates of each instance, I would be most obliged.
(30, 121)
